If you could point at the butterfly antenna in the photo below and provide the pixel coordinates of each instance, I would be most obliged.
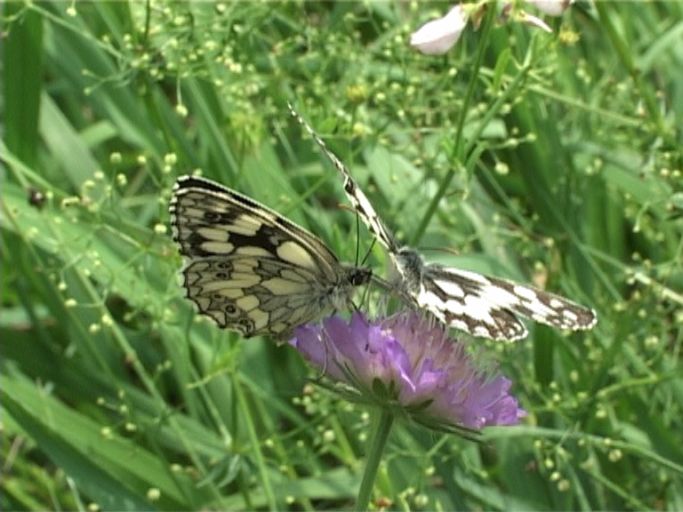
(367, 254)
(365, 297)
(358, 240)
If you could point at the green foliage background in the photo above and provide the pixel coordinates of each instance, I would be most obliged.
(546, 158)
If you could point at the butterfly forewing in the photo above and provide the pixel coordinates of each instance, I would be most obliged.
(356, 197)
(249, 268)
(479, 305)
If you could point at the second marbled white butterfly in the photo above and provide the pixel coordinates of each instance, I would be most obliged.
(250, 269)
(480, 305)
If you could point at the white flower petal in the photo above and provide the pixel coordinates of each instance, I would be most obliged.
(551, 7)
(436, 37)
(535, 21)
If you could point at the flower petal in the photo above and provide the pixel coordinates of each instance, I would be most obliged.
(308, 340)
(436, 37)
(535, 21)
(551, 7)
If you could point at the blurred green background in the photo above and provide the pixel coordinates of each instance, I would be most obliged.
(555, 159)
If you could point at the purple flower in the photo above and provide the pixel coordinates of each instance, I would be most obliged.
(411, 365)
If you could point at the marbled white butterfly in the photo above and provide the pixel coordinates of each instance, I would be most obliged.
(250, 269)
(479, 305)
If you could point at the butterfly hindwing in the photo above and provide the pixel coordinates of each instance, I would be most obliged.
(250, 269)
(487, 306)
(252, 295)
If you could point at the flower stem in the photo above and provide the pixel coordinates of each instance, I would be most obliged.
(375, 449)
(625, 53)
(457, 151)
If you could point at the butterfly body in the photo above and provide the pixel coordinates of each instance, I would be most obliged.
(249, 268)
(480, 305)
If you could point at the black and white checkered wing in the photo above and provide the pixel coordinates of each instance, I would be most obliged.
(488, 307)
(250, 269)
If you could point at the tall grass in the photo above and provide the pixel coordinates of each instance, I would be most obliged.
(562, 168)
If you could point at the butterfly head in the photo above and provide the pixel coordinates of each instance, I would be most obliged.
(358, 276)
(340, 294)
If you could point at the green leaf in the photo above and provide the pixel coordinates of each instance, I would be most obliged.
(22, 81)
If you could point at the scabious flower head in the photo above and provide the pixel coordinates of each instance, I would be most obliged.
(436, 37)
(411, 365)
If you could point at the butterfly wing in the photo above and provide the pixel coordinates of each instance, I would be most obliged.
(253, 295)
(249, 268)
(355, 195)
(487, 306)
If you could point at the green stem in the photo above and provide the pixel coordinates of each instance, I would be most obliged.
(255, 443)
(625, 54)
(375, 450)
(458, 146)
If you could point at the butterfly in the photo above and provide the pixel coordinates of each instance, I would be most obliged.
(249, 268)
(480, 305)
